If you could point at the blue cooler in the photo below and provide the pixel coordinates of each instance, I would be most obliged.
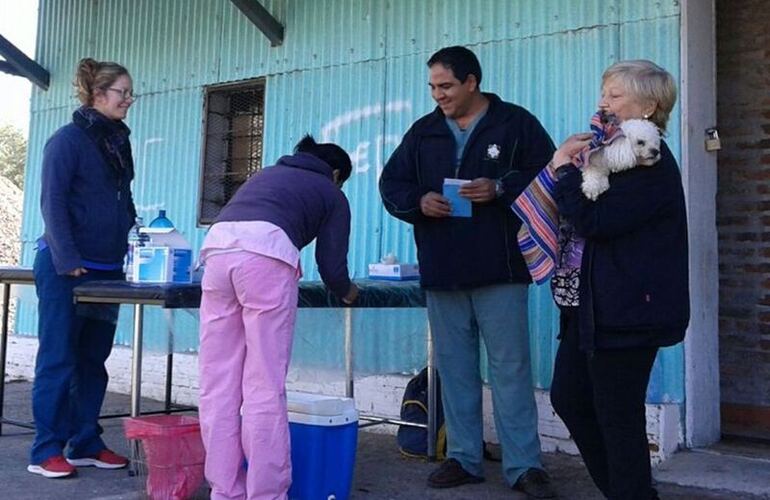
(324, 434)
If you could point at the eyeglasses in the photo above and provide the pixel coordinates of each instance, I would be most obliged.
(126, 94)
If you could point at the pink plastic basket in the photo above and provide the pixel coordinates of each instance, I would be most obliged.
(173, 454)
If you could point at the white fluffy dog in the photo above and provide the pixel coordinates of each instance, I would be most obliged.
(639, 145)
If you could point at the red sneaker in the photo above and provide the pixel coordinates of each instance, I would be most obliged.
(105, 459)
(56, 466)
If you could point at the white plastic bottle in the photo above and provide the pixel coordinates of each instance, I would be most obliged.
(135, 239)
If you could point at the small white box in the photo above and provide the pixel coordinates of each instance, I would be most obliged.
(394, 272)
(159, 264)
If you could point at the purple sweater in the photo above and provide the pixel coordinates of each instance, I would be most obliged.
(299, 196)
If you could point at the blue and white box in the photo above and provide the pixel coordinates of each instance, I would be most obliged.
(394, 272)
(324, 435)
(156, 264)
(166, 258)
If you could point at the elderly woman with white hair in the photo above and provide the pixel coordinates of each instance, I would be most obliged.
(622, 287)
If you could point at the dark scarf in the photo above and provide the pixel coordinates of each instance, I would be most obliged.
(111, 137)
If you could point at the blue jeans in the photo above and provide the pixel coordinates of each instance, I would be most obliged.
(499, 314)
(70, 377)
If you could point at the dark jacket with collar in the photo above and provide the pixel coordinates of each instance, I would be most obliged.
(634, 281)
(454, 252)
(298, 195)
(86, 204)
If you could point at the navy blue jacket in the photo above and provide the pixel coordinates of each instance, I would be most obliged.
(298, 195)
(87, 209)
(634, 286)
(453, 252)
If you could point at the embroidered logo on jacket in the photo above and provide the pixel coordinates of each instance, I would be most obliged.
(493, 152)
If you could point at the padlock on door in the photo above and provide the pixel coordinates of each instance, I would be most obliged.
(712, 140)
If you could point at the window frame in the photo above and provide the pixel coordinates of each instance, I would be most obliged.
(228, 90)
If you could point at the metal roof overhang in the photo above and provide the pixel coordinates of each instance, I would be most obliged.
(262, 19)
(16, 63)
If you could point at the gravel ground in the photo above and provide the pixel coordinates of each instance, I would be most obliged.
(381, 472)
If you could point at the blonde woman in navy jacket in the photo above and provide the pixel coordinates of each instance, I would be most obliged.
(629, 294)
(87, 209)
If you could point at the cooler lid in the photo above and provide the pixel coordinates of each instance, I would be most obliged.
(349, 417)
(318, 404)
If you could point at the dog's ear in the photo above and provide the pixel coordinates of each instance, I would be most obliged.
(620, 154)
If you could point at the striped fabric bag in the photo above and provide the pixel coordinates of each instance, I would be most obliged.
(538, 236)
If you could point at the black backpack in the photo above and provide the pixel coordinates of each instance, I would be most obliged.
(413, 441)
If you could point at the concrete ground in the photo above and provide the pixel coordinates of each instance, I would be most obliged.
(724, 472)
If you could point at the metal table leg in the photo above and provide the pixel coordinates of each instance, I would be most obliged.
(432, 400)
(136, 361)
(3, 351)
(349, 385)
(169, 357)
(3, 346)
(169, 376)
(136, 381)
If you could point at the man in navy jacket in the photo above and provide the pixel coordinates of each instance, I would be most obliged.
(475, 277)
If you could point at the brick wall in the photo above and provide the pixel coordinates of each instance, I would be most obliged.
(743, 205)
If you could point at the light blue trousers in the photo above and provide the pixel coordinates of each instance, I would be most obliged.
(499, 314)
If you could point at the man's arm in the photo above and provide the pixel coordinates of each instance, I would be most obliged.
(533, 150)
(400, 186)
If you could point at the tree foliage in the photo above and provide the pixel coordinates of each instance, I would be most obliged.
(13, 154)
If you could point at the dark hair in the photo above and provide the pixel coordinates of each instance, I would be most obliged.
(460, 60)
(332, 154)
(92, 75)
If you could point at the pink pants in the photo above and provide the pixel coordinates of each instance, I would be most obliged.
(247, 318)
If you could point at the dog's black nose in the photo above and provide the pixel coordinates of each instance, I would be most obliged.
(654, 152)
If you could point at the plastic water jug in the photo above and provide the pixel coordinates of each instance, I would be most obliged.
(135, 239)
(161, 221)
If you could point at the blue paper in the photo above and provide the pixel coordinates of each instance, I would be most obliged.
(461, 207)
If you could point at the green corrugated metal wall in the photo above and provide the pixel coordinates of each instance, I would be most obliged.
(352, 71)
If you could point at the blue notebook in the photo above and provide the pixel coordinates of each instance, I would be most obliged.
(461, 207)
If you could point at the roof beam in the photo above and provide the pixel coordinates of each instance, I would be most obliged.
(16, 63)
(262, 19)
(5, 67)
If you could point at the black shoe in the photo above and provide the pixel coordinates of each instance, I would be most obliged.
(536, 484)
(451, 474)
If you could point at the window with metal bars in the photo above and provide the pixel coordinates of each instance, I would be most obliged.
(232, 144)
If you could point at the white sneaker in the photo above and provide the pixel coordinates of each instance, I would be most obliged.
(105, 459)
(53, 467)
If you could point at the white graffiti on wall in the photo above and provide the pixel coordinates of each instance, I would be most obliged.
(361, 155)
